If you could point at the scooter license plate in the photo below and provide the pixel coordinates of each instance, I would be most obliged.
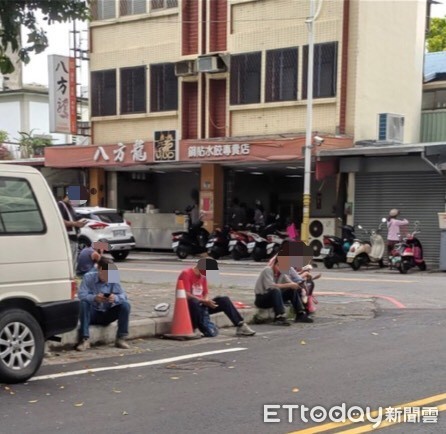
(175, 244)
(251, 245)
(325, 251)
(209, 245)
(350, 255)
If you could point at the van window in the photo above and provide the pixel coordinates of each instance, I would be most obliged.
(19, 212)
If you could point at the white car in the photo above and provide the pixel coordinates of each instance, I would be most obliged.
(106, 225)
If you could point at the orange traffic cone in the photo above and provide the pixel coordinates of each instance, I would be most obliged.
(181, 323)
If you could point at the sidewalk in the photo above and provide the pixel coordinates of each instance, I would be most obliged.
(145, 323)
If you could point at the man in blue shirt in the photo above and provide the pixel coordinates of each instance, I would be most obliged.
(103, 301)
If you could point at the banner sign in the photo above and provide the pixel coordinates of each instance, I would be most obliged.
(62, 94)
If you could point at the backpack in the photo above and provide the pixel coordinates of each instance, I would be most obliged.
(206, 326)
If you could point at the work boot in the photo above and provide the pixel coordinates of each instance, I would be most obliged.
(303, 317)
(83, 345)
(121, 343)
(281, 320)
(243, 329)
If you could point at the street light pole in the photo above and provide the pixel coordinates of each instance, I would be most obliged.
(309, 124)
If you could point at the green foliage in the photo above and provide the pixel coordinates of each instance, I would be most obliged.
(4, 152)
(14, 13)
(4, 136)
(436, 38)
(31, 145)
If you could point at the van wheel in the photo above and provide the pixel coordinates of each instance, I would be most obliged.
(22, 346)
(120, 256)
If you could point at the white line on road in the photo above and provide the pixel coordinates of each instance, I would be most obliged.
(342, 279)
(135, 365)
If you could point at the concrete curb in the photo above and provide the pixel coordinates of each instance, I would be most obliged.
(138, 329)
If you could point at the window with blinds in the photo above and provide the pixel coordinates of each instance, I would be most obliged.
(133, 90)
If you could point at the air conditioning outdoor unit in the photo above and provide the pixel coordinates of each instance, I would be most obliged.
(390, 127)
(185, 68)
(212, 63)
(317, 229)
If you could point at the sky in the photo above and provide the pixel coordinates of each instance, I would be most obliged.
(59, 43)
(58, 36)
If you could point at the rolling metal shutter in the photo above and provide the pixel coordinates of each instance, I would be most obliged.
(419, 196)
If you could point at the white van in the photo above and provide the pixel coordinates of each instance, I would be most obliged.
(37, 286)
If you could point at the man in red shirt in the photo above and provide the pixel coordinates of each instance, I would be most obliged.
(195, 284)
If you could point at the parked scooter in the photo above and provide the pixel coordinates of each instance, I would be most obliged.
(408, 253)
(218, 243)
(336, 248)
(367, 252)
(192, 242)
(242, 244)
(268, 242)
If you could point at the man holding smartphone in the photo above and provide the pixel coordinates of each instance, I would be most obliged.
(103, 301)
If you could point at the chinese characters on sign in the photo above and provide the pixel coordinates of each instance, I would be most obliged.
(165, 146)
(138, 153)
(62, 94)
(164, 149)
(218, 150)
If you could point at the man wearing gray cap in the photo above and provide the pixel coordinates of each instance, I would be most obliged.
(200, 305)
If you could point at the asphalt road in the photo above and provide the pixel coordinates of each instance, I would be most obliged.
(395, 358)
(222, 384)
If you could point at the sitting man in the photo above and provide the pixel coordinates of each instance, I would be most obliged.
(195, 284)
(103, 301)
(274, 287)
(88, 257)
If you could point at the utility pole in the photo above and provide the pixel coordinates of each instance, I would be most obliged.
(309, 124)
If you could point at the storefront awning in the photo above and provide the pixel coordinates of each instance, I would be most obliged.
(185, 151)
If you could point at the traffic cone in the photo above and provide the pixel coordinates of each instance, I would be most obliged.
(181, 323)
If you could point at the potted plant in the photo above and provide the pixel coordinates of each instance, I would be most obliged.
(32, 146)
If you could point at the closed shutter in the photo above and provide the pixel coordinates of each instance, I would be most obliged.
(419, 196)
(217, 109)
(190, 111)
(190, 27)
(218, 25)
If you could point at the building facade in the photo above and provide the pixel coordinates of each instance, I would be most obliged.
(212, 95)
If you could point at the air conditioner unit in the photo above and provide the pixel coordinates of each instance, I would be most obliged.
(214, 63)
(390, 127)
(185, 68)
(317, 229)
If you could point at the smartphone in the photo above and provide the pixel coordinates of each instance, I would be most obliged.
(106, 295)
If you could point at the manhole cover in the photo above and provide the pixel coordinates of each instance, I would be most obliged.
(195, 365)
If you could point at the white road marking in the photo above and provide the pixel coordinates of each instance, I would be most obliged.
(135, 365)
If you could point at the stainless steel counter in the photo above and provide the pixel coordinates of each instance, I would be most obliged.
(154, 231)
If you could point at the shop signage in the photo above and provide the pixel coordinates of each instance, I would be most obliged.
(137, 152)
(218, 150)
(165, 146)
(62, 94)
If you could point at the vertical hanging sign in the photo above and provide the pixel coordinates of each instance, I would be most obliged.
(62, 94)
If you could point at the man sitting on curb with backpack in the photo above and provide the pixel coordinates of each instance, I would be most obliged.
(201, 306)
